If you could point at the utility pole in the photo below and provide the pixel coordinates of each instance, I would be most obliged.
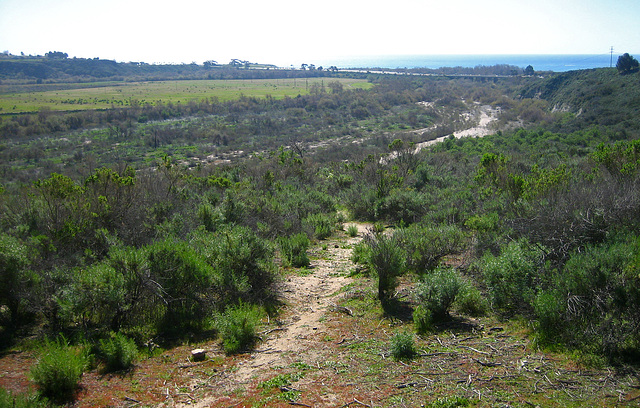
(611, 63)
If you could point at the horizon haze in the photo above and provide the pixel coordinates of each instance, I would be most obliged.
(283, 33)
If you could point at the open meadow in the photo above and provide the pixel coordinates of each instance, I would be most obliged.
(106, 95)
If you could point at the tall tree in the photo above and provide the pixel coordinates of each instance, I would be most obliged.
(627, 64)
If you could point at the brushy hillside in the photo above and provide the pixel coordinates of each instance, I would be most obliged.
(178, 224)
(592, 97)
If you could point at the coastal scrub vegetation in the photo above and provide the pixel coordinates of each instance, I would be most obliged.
(170, 221)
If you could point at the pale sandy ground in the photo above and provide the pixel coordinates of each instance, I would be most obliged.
(485, 115)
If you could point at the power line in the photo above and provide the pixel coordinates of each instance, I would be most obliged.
(611, 63)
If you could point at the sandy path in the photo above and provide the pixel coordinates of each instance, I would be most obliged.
(308, 299)
(485, 114)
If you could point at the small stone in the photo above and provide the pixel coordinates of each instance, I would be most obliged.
(198, 354)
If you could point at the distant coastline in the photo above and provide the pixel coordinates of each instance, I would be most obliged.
(540, 62)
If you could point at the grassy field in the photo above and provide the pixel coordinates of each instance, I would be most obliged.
(118, 94)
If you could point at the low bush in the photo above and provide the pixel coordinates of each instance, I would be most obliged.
(352, 230)
(118, 352)
(422, 320)
(387, 260)
(184, 280)
(593, 303)
(322, 225)
(512, 277)
(294, 250)
(427, 245)
(58, 370)
(403, 346)
(9, 400)
(237, 327)
(470, 300)
(437, 292)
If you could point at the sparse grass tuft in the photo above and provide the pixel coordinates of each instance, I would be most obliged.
(403, 346)
(58, 370)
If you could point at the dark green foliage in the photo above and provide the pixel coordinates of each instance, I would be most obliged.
(95, 297)
(402, 206)
(627, 64)
(118, 352)
(403, 346)
(294, 250)
(423, 320)
(237, 327)
(361, 254)
(512, 278)
(352, 230)
(470, 300)
(27, 400)
(58, 370)
(242, 263)
(184, 280)
(437, 292)
(321, 225)
(592, 302)
(14, 278)
(425, 245)
(387, 261)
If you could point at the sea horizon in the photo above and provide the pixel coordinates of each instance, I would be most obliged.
(539, 62)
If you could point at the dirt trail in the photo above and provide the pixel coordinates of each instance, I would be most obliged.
(308, 299)
(484, 115)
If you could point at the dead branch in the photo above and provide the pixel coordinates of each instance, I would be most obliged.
(413, 384)
(299, 404)
(437, 353)
(355, 401)
(342, 309)
(273, 330)
(476, 350)
(487, 363)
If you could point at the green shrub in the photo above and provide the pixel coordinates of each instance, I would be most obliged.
(427, 245)
(422, 320)
(184, 280)
(402, 206)
(437, 292)
(378, 227)
(513, 276)
(593, 303)
(237, 327)
(118, 352)
(403, 346)
(94, 298)
(209, 216)
(242, 261)
(58, 370)
(352, 230)
(322, 225)
(9, 400)
(361, 253)
(470, 300)
(387, 260)
(13, 277)
(294, 250)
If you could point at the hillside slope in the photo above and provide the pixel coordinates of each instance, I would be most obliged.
(592, 97)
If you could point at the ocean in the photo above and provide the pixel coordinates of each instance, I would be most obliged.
(555, 62)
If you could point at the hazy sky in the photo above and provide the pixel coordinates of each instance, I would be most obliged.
(287, 32)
